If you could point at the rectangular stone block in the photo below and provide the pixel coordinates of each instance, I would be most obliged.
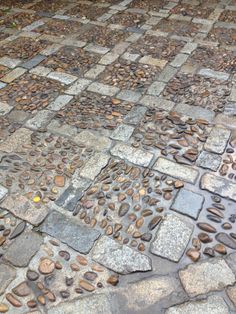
(209, 161)
(172, 237)
(218, 185)
(70, 231)
(103, 89)
(122, 133)
(9, 62)
(176, 170)
(135, 115)
(60, 102)
(78, 86)
(202, 278)
(14, 74)
(94, 166)
(41, 119)
(179, 60)
(214, 74)
(63, 78)
(157, 102)
(156, 88)
(33, 62)
(194, 112)
(97, 142)
(129, 95)
(217, 140)
(134, 155)
(40, 70)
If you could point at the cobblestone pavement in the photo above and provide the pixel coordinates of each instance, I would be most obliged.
(118, 156)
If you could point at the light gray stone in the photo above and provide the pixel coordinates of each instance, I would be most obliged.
(130, 56)
(172, 237)
(212, 305)
(231, 261)
(40, 119)
(189, 48)
(109, 58)
(33, 62)
(188, 203)
(157, 102)
(209, 161)
(176, 170)
(92, 304)
(94, 166)
(3, 192)
(17, 139)
(62, 77)
(167, 74)
(135, 115)
(153, 61)
(217, 140)
(50, 49)
(40, 70)
(21, 207)
(122, 133)
(133, 155)
(9, 62)
(14, 74)
(7, 274)
(194, 112)
(103, 89)
(62, 129)
(95, 71)
(97, 49)
(214, 74)
(207, 276)
(4, 108)
(231, 291)
(129, 95)
(232, 96)
(218, 185)
(180, 59)
(156, 88)
(119, 258)
(78, 86)
(23, 248)
(70, 231)
(2, 85)
(60, 102)
(99, 143)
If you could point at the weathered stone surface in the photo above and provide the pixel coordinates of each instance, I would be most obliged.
(93, 304)
(217, 140)
(20, 206)
(59, 102)
(99, 143)
(231, 291)
(119, 258)
(103, 89)
(188, 203)
(40, 119)
(55, 127)
(94, 165)
(209, 160)
(62, 77)
(122, 132)
(194, 112)
(218, 185)
(17, 139)
(212, 305)
(135, 115)
(172, 237)
(207, 276)
(157, 102)
(7, 274)
(3, 192)
(78, 86)
(69, 231)
(231, 261)
(4, 108)
(23, 249)
(134, 155)
(173, 169)
(14, 74)
(214, 74)
(224, 238)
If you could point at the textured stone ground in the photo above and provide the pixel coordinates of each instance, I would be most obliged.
(117, 156)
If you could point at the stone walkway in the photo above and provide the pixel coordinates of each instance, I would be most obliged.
(118, 156)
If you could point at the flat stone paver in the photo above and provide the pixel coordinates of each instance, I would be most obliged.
(117, 156)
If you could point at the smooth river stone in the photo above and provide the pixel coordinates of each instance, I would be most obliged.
(69, 231)
(119, 258)
(218, 185)
(172, 237)
(225, 239)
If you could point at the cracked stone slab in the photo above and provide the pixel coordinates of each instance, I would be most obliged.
(207, 276)
(21, 207)
(69, 231)
(208, 160)
(92, 304)
(173, 169)
(212, 305)
(94, 165)
(218, 185)
(16, 140)
(217, 140)
(188, 203)
(7, 275)
(23, 249)
(119, 258)
(172, 237)
(99, 143)
(134, 155)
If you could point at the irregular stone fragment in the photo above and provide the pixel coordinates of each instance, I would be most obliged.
(209, 161)
(207, 276)
(22, 290)
(218, 185)
(23, 249)
(172, 237)
(20, 206)
(217, 140)
(18, 230)
(119, 258)
(94, 165)
(69, 231)
(213, 304)
(231, 291)
(173, 169)
(188, 203)
(225, 239)
(92, 304)
(3, 192)
(134, 155)
(7, 274)
(17, 139)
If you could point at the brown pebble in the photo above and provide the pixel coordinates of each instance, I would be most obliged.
(41, 299)
(46, 266)
(97, 268)
(220, 248)
(204, 237)
(74, 267)
(13, 300)
(86, 285)
(113, 280)
(193, 254)
(141, 247)
(82, 260)
(32, 304)
(3, 308)
(58, 265)
(22, 290)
